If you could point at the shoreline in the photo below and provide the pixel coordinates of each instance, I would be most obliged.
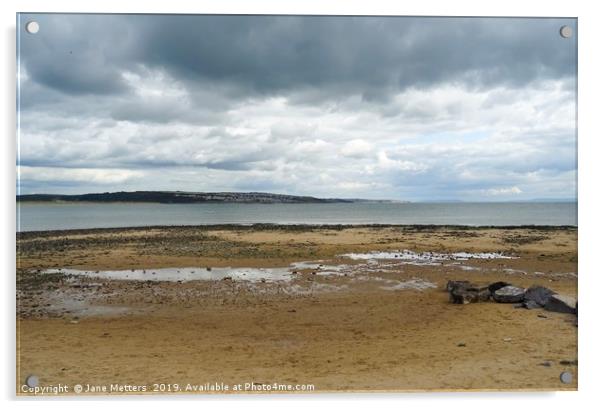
(302, 227)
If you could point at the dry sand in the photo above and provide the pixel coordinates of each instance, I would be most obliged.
(355, 332)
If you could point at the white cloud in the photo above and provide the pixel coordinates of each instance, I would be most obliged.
(356, 148)
(93, 176)
(504, 191)
(385, 162)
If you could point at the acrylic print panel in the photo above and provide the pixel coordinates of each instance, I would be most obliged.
(295, 204)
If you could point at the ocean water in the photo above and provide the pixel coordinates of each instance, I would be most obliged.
(60, 216)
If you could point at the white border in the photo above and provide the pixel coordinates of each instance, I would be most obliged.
(590, 34)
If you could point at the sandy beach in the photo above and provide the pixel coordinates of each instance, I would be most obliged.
(360, 308)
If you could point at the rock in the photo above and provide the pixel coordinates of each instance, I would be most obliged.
(493, 287)
(461, 344)
(530, 304)
(460, 295)
(562, 303)
(539, 295)
(452, 284)
(466, 295)
(484, 296)
(509, 294)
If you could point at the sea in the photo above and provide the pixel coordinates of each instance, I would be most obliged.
(62, 216)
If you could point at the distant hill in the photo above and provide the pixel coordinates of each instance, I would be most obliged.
(178, 197)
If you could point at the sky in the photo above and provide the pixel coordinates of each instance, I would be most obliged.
(403, 108)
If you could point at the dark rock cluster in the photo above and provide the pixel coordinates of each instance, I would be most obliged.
(465, 292)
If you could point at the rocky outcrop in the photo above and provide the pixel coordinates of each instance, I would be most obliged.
(561, 303)
(465, 292)
(509, 294)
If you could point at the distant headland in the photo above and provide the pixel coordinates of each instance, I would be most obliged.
(183, 197)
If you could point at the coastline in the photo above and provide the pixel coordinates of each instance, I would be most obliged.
(298, 227)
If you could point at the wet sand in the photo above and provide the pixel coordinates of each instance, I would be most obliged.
(374, 325)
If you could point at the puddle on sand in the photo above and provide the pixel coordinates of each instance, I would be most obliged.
(186, 274)
(320, 268)
(249, 274)
(296, 289)
(413, 284)
(424, 258)
(373, 262)
(61, 303)
(466, 268)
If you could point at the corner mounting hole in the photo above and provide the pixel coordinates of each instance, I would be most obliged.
(566, 377)
(32, 27)
(566, 32)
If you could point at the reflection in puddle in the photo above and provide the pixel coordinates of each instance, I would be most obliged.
(321, 269)
(186, 274)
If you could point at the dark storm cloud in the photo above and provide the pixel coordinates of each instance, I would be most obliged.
(76, 54)
(374, 56)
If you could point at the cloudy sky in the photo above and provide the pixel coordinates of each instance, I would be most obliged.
(378, 107)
